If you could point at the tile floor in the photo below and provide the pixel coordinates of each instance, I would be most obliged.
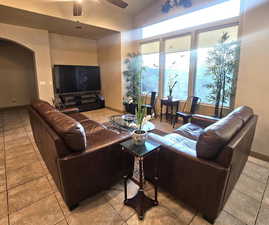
(28, 195)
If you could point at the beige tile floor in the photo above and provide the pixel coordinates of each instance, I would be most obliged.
(28, 195)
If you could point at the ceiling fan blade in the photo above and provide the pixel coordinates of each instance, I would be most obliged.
(118, 3)
(77, 9)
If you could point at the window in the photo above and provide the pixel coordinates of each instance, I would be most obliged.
(225, 10)
(177, 64)
(150, 56)
(206, 43)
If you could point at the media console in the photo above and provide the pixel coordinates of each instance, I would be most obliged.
(82, 101)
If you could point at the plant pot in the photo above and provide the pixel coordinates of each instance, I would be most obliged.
(139, 137)
(170, 98)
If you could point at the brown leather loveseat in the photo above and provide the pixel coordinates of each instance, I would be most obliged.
(201, 161)
(82, 156)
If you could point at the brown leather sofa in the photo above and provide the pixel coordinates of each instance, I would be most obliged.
(199, 164)
(82, 156)
(201, 161)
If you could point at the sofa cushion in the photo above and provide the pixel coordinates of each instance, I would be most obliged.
(216, 136)
(66, 127)
(190, 130)
(243, 112)
(91, 127)
(176, 142)
(79, 117)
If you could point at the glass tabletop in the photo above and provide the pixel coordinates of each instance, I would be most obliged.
(140, 150)
(127, 121)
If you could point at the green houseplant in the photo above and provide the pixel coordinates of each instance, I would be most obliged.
(222, 66)
(140, 135)
(132, 76)
(171, 84)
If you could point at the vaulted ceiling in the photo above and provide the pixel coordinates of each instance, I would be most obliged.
(95, 12)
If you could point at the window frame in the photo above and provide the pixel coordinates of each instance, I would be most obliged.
(194, 33)
(164, 59)
(147, 42)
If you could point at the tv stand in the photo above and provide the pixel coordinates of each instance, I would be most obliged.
(84, 101)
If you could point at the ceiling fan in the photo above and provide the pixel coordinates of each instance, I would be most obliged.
(169, 4)
(77, 9)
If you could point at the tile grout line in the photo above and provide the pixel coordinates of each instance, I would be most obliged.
(259, 164)
(196, 214)
(4, 142)
(7, 190)
(257, 216)
(117, 210)
(234, 216)
(32, 203)
(65, 219)
(50, 194)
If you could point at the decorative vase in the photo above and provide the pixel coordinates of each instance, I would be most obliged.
(139, 137)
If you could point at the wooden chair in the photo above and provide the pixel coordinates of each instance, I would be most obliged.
(189, 109)
(151, 107)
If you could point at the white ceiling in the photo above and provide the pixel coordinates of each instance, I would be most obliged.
(134, 7)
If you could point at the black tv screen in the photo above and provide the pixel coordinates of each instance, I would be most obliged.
(68, 79)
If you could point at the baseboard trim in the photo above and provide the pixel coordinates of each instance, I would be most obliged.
(260, 156)
(116, 110)
(14, 107)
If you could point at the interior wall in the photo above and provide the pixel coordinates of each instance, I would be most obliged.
(253, 80)
(109, 58)
(68, 50)
(17, 75)
(37, 41)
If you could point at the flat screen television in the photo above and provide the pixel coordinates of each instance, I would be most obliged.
(71, 79)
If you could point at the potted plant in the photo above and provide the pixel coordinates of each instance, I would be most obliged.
(132, 76)
(222, 65)
(140, 135)
(171, 84)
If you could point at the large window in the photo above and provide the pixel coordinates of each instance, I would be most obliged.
(194, 58)
(206, 51)
(150, 56)
(177, 64)
(218, 12)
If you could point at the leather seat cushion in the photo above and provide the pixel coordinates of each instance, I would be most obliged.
(216, 136)
(190, 130)
(66, 127)
(176, 142)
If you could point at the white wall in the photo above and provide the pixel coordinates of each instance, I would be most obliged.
(17, 75)
(37, 41)
(253, 80)
(68, 50)
(109, 57)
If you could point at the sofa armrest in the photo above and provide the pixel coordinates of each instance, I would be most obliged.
(186, 153)
(194, 180)
(203, 121)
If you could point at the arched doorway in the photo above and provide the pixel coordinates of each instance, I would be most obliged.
(18, 83)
